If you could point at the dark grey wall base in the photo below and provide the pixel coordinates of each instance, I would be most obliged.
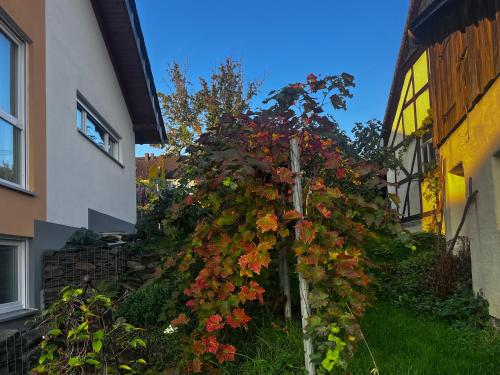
(48, 236)
(99, 222)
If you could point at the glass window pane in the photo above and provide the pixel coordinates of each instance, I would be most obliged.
(95, 132)
(8, 53)
(9, 152)
(113, 147)
(79, 119)
(8, 274)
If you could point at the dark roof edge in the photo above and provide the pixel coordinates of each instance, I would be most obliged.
(397, 69)
(136, 26)
(429, 12)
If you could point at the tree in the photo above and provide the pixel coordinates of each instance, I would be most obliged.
(245, 181)
(189, 111)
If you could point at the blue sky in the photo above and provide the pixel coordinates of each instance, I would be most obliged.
(281, 41)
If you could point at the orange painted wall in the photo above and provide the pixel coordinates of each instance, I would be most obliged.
(18, 210)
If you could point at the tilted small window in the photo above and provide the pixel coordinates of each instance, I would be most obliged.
(88, 123)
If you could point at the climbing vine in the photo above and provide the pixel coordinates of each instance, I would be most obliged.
(243, 179)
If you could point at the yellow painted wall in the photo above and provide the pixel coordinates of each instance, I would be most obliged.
(475, 144)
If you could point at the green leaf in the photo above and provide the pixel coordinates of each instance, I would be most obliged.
(141, 361)
(54, 332)
(136, 342)
(94, 362)
(75, 361)
(98, 335)
(97, 345)
(125, 367)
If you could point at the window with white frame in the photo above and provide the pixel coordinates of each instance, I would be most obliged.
(12, 110)
(94, 129)
(12, 275)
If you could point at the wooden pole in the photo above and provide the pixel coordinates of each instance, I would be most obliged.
(303, 284)
(285, 282)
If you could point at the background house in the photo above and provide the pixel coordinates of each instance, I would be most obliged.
(450, 60)
(76, 95)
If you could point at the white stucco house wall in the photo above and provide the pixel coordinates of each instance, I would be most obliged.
(88, 97)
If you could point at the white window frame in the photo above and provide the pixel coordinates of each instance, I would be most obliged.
(427, 149)
(20, 120)
(22, 277)
(108, 131)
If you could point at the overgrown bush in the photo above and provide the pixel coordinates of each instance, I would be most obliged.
(146, 305)
(412, 281)
(81, 337)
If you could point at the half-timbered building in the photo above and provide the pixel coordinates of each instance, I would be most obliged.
(449, 62)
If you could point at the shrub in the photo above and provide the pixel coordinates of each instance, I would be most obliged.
(413, 283)
(146, 305)
(81, 337)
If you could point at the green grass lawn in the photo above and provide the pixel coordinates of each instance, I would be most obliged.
(401, 342)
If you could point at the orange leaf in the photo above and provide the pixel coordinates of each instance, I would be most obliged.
(268, 222)
(292, 215)
(214, 323)
(251, 292)
(306, 231)
(324, 211)
(226, 353)
(285, 175)
(199, 348)
(211, 344)
(196, 365)
(180, 320)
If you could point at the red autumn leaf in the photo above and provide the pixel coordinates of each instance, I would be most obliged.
(306, 231)
(211, 344)
(324, 211)
(214, 323)
(199, 348)
(267, 223)
(232, 322)
(196, 365)
(292, 215)
(241, 316)
(318, 185)
(180, 320)
(191, 303)
(224, 290)
(268, 192)
(226, 353)
(251, 292)
(312, 78)
(340, 173)
(188, 200)
(169, 262)
(285, 175)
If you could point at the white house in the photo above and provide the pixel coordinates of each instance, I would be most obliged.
(76, 95)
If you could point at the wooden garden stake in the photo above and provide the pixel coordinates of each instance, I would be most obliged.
(303, 284)
(285, 282)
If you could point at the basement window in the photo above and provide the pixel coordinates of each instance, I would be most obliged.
(90, 124)
(12, 275)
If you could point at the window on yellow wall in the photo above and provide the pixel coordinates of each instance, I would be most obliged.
(456, 197)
